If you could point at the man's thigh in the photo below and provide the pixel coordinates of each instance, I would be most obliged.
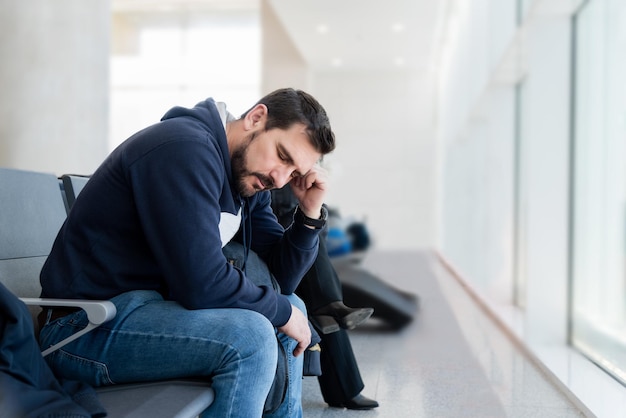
(152, 339)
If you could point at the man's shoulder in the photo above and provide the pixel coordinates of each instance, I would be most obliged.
(167, 136)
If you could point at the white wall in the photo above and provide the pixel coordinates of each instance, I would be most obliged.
(477, 133)
(282, 64)
(54, 84)
(384, 169)
(479, 139)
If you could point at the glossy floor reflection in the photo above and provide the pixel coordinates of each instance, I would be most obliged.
(452, 361)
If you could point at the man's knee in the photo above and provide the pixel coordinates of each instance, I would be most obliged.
(254, 325)
(255, 335)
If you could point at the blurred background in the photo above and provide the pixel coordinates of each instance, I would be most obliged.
(490, 131)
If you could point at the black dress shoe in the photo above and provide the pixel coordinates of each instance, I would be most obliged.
(359, 402)
(345, 316)
(324, 324)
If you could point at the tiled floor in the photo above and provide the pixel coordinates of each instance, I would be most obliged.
(452, 361)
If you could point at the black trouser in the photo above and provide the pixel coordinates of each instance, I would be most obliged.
(340, 379)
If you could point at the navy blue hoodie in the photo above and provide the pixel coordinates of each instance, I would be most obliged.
(149, 219)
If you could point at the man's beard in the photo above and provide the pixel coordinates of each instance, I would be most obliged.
(240, 172)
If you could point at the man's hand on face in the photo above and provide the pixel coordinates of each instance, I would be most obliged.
(310, 190)
(297, 328)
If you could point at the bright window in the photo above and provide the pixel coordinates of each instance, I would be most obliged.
(164, 59)
(599, 176)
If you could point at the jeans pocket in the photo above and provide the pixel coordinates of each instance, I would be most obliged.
(61, 328)
(69, 365)
(74, 367)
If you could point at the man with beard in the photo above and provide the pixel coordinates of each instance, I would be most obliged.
(147, 232)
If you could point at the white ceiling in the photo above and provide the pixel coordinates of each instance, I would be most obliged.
(359, 34)
(365, 33)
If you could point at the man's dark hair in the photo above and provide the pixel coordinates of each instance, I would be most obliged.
(288, 106)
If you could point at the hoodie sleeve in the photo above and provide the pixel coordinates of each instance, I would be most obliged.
(177, 188)
(288, 254)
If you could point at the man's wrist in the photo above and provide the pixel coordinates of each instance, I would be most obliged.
(318, 223)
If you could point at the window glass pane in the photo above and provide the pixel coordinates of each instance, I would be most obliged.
(599, 212)
(164, 59)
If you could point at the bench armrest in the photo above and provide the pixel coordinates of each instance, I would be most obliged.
(98, 312)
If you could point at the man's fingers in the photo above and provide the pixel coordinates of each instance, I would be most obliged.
(300, 348)
(297, 327)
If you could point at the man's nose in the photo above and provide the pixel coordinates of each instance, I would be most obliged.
(281, 176)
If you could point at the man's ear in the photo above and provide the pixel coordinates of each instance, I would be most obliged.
(256, 117)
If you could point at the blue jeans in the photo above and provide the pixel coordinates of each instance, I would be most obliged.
(292, 407)
(153, 339)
